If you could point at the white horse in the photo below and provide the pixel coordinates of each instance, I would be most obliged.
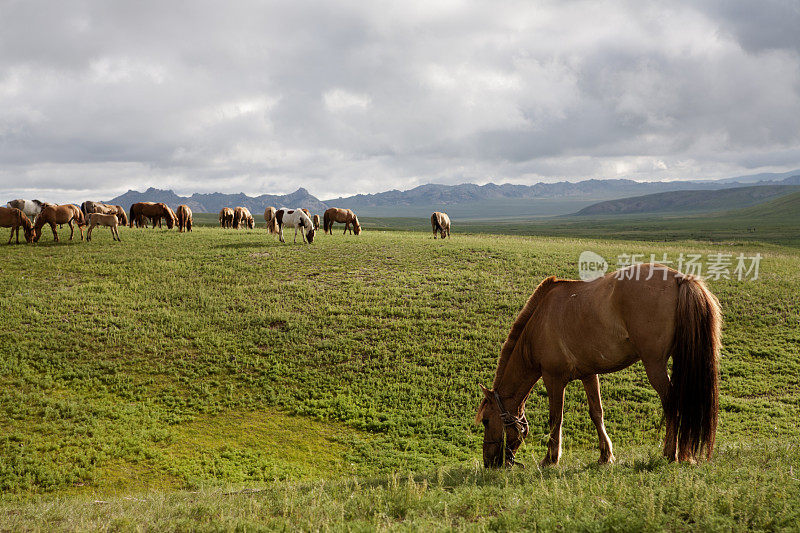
(31, 208)
(295, 218)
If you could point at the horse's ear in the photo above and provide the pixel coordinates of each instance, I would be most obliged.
(489, 393)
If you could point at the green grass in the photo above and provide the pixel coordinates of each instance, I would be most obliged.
(201, 361)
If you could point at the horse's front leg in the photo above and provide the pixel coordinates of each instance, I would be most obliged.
(295, 235)
(555, 393)
(592, 387)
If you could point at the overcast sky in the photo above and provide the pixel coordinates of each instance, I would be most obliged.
(345, 97)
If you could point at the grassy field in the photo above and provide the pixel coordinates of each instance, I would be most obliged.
(220, 379)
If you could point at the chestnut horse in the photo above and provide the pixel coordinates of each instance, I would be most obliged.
(102, 219)
(340, 215)
(59, 214)
(11, 217)
(441, 224)
(578, 329)
(269, 217)
(155, 211)
(315, 220)
(226, 217)
(184, 218)
(242, 217)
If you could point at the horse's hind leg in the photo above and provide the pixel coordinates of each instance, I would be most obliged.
(55, 234)
(12, 235)
(555, 386)
(656, 370)
(592, 387)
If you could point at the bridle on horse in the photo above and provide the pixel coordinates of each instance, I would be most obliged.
(520, 423)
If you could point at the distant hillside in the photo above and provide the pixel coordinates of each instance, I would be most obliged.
(690, 201)
(786, 208)
(587, 190)
(214, 202)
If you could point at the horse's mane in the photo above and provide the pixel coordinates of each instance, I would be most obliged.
(519, 324)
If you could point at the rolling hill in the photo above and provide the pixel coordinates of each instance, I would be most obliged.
(690, 201)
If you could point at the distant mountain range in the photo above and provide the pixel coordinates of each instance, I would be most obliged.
(690, 201)
(572, 196)
(214, 202)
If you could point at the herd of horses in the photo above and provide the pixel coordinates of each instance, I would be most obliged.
(32, 215)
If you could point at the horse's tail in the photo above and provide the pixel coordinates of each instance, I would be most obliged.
(326, 222)
(693, 400)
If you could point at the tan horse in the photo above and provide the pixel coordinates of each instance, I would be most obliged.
(226, 217)
(59, 214)
(11, 217)
(441, 224)
(576, 330)
(340, 215)
(315, 219)
(269, 217)
(88, 207)
(184, 218)
(243, 218)
(101, 219)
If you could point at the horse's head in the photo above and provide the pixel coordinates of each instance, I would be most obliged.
(310, 235)
(35, 234)
(503, 433)
(356, 226)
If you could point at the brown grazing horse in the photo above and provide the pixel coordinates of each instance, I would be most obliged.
(155, 211)
(59, 214)
(184, 215)
(101, 219)
(577, 329)
(441, 224)
(226, 217)
(315, 219)
(11, 217)
(269, 218)
(340, 215)
(243, 218)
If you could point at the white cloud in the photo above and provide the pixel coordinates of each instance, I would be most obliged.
(362, 97)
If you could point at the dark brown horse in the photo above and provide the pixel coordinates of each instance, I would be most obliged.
(441, 224)
(576, 330)
(11, 217)
(59, 214)
(315, 219)
(184, 215)
(154, 211)
(340, 215)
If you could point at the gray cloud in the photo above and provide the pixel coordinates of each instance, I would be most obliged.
(99, 97)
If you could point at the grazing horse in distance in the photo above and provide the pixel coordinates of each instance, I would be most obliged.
(121, 216)
(101, 219)
(59, 214)
(315, 219)
(184, 218)
(242, 217)
(226, 217)
(297, 219)
(269, 218)
(571, 329)
(155, 211)
(441, 224)
(11, 217)
(340, 215)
